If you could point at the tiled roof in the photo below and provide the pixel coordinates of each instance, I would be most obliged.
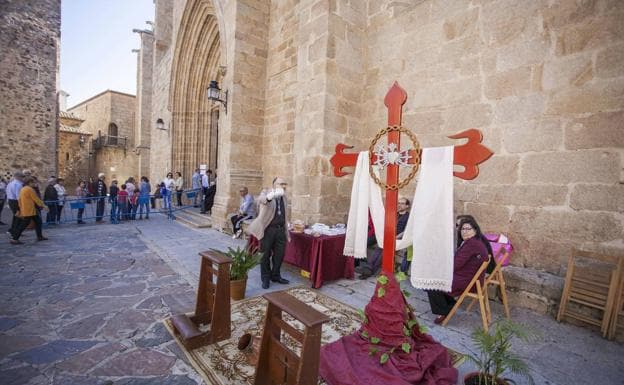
(73, 130)
(69, 115)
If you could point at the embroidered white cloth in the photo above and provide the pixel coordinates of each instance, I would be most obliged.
(431, 222)
(365, 194)
(429, 227)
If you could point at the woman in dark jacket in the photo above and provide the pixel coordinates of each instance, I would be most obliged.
(470, 255)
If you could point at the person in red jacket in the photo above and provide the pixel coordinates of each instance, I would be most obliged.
(469, 256)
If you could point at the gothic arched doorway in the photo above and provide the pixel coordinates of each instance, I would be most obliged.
(196, 63)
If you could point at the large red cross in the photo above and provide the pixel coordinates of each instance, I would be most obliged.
(469, 155)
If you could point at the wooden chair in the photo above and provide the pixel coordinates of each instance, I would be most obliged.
(618, 309)
(479, 296)
(278, 364)
(594, 290)
(495, 278)
(212, 305)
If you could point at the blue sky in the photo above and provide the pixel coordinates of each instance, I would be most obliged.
(96, 45)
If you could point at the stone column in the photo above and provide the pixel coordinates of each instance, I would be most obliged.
(143, 116)
(241, 129)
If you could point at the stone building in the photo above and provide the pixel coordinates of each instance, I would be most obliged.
(73, 149)
(29, 41)
(542, 80)
(110, 118)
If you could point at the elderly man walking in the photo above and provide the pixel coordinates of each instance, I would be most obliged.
(12, 194)
(270, 228)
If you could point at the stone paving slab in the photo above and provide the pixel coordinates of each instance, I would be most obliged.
(85, 308)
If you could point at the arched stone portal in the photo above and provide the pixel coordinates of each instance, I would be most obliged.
(196, 62)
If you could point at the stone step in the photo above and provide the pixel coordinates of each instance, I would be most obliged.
(194, 219)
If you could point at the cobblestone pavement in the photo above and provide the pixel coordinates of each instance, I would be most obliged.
(85, 308)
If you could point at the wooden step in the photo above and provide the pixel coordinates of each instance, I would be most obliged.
(185, 326)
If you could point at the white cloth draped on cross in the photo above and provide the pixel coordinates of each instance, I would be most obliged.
(429, 227)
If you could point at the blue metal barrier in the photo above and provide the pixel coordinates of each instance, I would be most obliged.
(71, 207)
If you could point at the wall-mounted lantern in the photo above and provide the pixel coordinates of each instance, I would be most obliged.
(160, 124)
(214, 94)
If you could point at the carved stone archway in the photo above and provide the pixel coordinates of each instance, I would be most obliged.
(196, 61)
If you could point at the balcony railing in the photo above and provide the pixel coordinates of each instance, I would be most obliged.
(110, 141)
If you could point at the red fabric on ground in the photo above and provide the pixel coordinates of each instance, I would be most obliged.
(348, 362)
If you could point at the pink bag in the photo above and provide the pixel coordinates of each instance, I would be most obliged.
(499, 241)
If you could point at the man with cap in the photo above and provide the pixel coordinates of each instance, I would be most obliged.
(100, 193)
(12, 193)
(271, 230)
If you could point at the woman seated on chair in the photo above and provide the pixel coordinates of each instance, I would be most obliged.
(472, 251)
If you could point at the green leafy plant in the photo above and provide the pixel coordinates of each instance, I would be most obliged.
(495, 357)
(242, 262)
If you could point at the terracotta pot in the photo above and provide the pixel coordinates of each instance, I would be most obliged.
(476, 374)
(237, 289)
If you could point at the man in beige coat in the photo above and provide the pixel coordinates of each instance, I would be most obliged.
(270, 228)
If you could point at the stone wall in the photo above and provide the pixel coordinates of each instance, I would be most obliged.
(73, 163)
(116, 163)
(544, 83)
(160, 140)
(542, 80)
(98, 112)
(29, 42)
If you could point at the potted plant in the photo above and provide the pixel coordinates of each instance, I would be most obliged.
(495, 356)
(242, 261)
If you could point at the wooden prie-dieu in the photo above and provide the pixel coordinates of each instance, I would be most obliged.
(277, 363)
(212, 306)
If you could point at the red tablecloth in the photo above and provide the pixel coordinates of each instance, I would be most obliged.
(321, 256)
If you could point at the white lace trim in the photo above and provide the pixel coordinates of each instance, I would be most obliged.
(350, 252)
(432, 284)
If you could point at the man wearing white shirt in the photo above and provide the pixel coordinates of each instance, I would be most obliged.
(12, 192)
(270, 228)
(196, 184)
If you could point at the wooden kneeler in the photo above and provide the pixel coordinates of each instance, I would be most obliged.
(278, 364)
(484, 305)
(212, 306)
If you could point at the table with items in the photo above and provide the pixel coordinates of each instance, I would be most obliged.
(319, 252)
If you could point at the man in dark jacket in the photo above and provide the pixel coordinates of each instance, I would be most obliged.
(100, 193)
(373, 262)
(50, 198)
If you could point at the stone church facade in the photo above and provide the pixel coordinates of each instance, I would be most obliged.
(542, 80)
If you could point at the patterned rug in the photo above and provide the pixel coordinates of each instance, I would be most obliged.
(224, 364)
